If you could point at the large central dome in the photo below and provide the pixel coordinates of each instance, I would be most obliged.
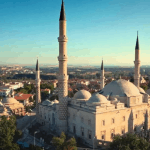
(121, 88)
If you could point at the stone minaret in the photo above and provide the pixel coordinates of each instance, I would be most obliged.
(38, 93)
(62, 77)
(137, 64)
(102, 78)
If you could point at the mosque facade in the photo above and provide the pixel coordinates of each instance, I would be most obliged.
(118, 108)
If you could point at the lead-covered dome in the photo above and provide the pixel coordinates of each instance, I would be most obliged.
(97, 99)
(121, 88)
(141, 90)
(82, 95)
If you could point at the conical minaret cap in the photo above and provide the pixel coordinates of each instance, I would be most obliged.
(137, 42)
(62, 13)
(37, 66)
(102, 67)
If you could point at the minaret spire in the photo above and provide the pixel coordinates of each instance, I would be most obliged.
(102, 78)
(62, 12)
(137, 42)
(62, 77)
(38, 93)
(137, 64)
(37, 65)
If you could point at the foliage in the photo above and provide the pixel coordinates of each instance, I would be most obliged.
(44, 94)
(31, 99)
(144, 86)
(7, 132)
(28, 88)
(32, 147)
(48, 86)
(70, 94)
(129, 142)
(18, 135)
(62, 144)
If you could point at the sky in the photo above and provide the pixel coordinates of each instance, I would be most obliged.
(96, 29)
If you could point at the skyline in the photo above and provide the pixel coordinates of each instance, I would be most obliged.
(108, 29)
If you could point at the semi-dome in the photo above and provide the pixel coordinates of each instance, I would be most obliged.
(82, 95)
(9, 100)
(141, 90)
(121, 88)
(97, 99)
(46, 102)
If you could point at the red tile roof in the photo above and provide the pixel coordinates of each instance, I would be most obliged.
(21, 96)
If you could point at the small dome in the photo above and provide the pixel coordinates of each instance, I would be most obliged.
(141, 90)
(46, 102)
(56, 101)
(9, 100)
(82, 95)
(97, 99)
(1, 104)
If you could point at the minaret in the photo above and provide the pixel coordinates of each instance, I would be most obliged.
(38, 93)
(102, 78)
(137, 64)
(62, 77)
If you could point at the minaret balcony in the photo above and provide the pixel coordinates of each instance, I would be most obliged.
(62, 77)
(62, 58)
(62, 39)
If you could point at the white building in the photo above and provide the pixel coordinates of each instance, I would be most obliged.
(120, 107)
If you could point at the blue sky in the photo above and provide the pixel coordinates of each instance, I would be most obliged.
(95, 29)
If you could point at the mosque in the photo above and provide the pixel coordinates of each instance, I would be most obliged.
(118, 108)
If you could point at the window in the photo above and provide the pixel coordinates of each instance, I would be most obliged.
(103, 122)
(103, 137)
(89, 122)
(74, 116)
(74, 129)
(82, 119)
(45, 117)
(123, 131)
(89, 134)
(113, 120)
(123, 118)
(112, 135)
(82, 131)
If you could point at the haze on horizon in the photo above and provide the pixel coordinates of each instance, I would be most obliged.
(95, 29)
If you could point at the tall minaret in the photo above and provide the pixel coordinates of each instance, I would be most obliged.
(102, 79)
(137, 64)
(38, 93)
(62, 77)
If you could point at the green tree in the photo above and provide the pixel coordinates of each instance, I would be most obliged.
(7, 132)
(144, 86)
(62, 144)
(32, 147)
(129, 142)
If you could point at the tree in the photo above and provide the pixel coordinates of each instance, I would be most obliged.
(144, 86)
(7, 132)
(129, 142)
(62, 144)
(32, 147)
